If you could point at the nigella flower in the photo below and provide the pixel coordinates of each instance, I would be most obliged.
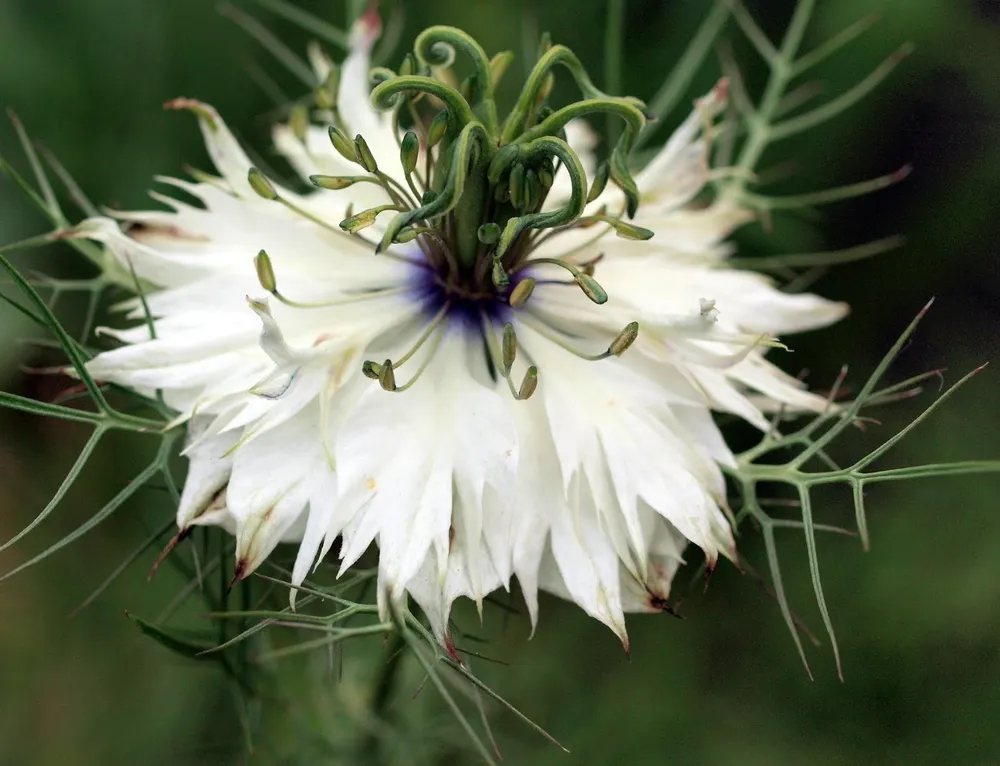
(474, 348)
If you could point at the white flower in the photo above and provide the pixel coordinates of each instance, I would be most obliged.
(590, 489)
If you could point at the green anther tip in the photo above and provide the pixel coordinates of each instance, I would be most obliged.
(625, 339)
(509, 348)
(521, 292)
(365, 157)
(591, 288)
(334, 183)
(409, 151)
(437, 127)
(344, 146)
(386, 376)
(261, 185)
(265, 271)
(528, 384)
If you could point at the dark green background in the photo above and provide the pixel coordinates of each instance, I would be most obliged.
(918, 616)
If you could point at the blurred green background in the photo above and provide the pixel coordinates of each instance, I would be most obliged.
(918, 616)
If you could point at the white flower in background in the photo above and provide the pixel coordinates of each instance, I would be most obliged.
(301, 429)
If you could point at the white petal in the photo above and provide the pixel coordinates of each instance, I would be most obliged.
(273, 478)
(227, 154)
(209, 468)
(583, 563)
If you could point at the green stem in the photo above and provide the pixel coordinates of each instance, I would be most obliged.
(759, 123)
(383, 692)
(613, 35)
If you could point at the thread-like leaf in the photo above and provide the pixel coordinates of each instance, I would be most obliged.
(307, 21)
(113, 505)
(71, 476)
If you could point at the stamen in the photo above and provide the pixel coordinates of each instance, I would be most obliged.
(336, 183)
(508, 348)
(435, 132)
(424, 365)
(385, 373)
(265, 272)
(365, 157)
(386, 377)
(521, 292)
(528, 384)
(590, 286)
(442, 313)
(355, 223)
(344, 146)
(268, 281)
(298, 122)
(622, 229)
(261, 185)
(625, 339)
(503, 359)
(409, 153)
(326, 94)
(616, 348)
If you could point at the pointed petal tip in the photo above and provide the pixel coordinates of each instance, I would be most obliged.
(660, 603)
(202, 110)
(167, 550)
(241, 572)
(367, 29)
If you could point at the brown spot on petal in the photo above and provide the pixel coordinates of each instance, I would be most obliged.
(241, 571)
(321, 338)
(142, 232)
(372, 21)
(370, 483)
(722, 90)
(660, 604)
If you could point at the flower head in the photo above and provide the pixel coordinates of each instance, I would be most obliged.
(473, 346)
